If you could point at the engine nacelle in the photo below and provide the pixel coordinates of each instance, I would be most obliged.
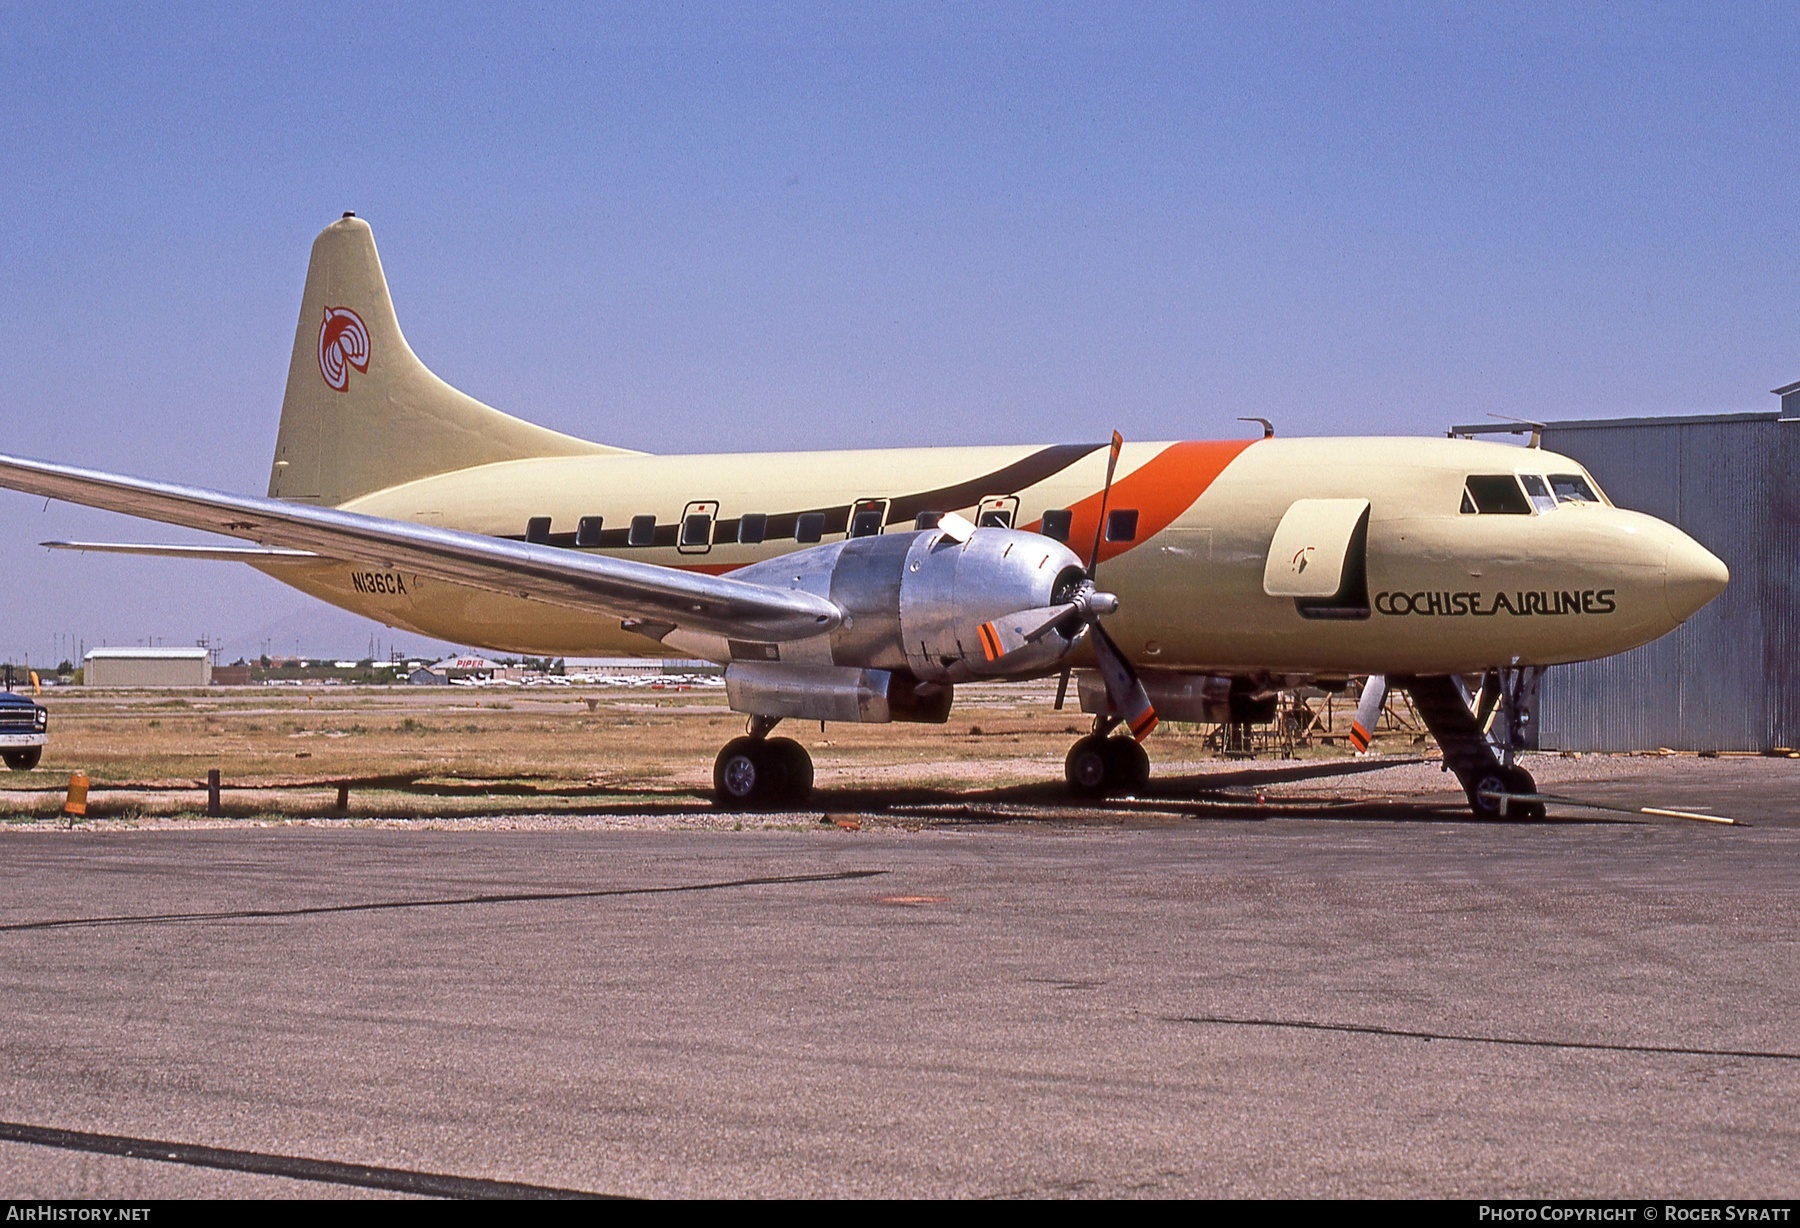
(914, 603)
(835, 693)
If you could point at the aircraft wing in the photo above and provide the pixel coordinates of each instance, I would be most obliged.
(595, 583)
(228, 554)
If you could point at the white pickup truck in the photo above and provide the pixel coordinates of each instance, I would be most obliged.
(24, 728)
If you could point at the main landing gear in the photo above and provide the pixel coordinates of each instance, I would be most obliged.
(757, 772)
(1099, 765)
(1469, 752)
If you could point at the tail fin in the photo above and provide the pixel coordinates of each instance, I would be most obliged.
(361, 411)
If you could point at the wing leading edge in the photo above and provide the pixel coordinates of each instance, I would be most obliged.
(594, 583)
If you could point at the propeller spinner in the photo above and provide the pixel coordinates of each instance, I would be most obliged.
(1125, 692)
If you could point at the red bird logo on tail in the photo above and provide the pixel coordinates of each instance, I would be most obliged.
(343, 343)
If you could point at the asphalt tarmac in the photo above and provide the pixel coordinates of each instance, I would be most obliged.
(1140, 1002)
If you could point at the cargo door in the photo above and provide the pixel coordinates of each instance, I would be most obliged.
(1319, 558)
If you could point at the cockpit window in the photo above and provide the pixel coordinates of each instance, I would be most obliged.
(1538, 491)
(1497, 493)
(1572, 488)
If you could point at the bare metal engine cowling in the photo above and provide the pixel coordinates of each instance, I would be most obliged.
(914, 605)
(915, 602)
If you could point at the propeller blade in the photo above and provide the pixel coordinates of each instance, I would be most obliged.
(1124, 691)
(1062, 688)
(1112, 463)
(1368, 712)
(1013, 631)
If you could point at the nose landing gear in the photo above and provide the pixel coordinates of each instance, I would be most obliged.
(757, 772)
(1485, 770)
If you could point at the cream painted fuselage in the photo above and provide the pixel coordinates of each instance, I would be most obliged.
(1448, 590)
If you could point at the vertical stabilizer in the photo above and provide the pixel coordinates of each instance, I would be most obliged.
(361, 411)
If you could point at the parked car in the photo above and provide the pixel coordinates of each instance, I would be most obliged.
(24, 728)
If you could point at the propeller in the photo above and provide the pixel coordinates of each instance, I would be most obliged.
(1125, 692)
(1368, 712)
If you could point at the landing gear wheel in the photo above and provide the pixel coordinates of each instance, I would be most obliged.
(796, 769)
(1503, 780)
(747, 776)
(1097, 766)
(1086, 767)
(24, 760)
(1127, 766)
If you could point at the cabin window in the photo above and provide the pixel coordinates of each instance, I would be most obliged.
(1572, 488)
(752, 527)
(1057, 524)
(810, 527)
(643, 531)
(1538, 491)
(696, 530)
(995, 518)
(867, 523)
(587, 530)
(537, 529)
(927, 520)
(1122, 525)
(1496, 494)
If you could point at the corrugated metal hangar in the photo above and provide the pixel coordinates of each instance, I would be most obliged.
(147, 667)
(1729, 678)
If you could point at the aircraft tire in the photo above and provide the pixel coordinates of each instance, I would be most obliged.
(24, 760)
(747, 776)
(1127, 765)
(1502, 780)
(796, 768)
(1089, 768)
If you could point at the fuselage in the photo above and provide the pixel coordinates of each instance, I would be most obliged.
(1447, 586)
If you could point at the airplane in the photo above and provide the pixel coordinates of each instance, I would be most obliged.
(1185, 580)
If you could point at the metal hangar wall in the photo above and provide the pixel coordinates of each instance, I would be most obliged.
(1728, 678)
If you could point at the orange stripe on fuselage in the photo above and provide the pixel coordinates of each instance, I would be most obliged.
(1160, 489)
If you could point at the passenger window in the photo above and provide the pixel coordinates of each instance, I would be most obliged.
(587, 530)
(752, 526)
(1538, 490)
(1572, 488)
(643, 531)
(696, 530)
(1057, 524)
(927, 520)
(537, 529)
(866, 524)
(810, 527)
(1121, 525)
(1497, 493)
(996, 518)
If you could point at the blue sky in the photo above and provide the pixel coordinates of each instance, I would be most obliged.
(687, 227)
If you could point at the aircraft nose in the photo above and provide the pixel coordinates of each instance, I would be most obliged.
(1692, 577)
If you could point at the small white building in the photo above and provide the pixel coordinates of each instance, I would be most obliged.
(125, 667)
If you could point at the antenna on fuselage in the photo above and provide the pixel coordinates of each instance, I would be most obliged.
(1267, 426)
(1537, 428)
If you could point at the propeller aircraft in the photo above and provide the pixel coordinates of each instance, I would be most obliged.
(865, 586)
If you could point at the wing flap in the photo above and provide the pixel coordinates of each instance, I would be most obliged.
(619, 587)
